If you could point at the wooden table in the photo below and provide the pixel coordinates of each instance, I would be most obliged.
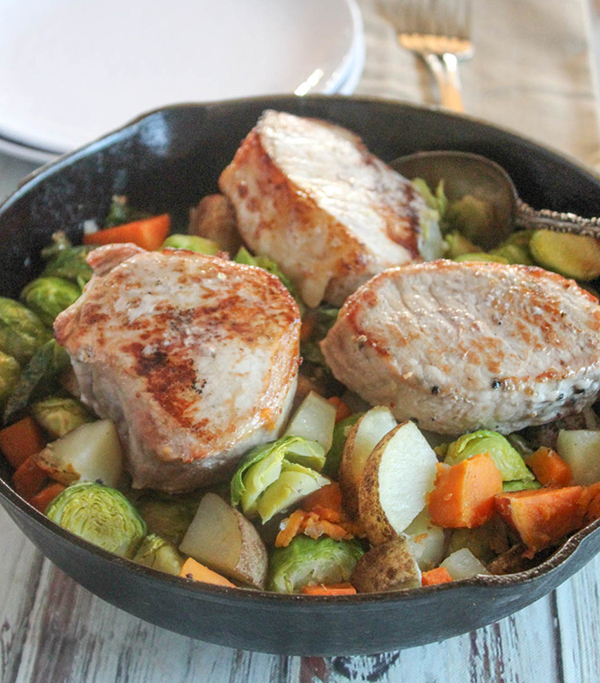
(531, 73)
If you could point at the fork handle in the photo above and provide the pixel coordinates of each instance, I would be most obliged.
(445, 72)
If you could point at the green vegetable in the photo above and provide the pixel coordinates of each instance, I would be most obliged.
(59, 415)
(340, 434)
(9, 376)
(437, 201)
(67, 261)
(49, 296)
(307, 561)
(22, 333)
(472, 217)
(516, 248)
(166, 515)
(520, 485)
(121, 212)
(458, 245)
(505, 457)
(37, 377)
(575, 256)
(100, 515)
(263, 465)
(160, 554)
(245, 257)
(201, 245)
(482, 256)
(293, 483)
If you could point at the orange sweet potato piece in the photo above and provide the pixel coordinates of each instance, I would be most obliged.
(549, 468)
(543, 517)
(342, 411)
(194, 570)
(328, 497)
(29, 479)
(463, 495)
(42, 499)
(20, 440)
(331, 589)
(435, 576)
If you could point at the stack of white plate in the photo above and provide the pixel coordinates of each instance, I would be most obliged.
(70, 71)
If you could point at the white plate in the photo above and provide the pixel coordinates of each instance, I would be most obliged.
(72, 70)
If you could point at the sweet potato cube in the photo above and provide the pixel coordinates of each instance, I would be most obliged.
(543, 517)
(549, 468)
(463, 495)
(435, 576)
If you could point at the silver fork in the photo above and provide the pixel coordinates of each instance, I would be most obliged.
(439, 31)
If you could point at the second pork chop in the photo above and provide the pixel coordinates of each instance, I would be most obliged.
(194, 358)
(462, 346)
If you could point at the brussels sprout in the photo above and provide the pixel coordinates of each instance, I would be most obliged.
(576, 256)
(59, 415)
(340, 434)
(66, 261)
(486, 542)
(506, 458)
(263, 465)
(482, 256)
(166, 515)
(520, 485)
(245, 257)
(437, 201)
(293, 483)
(307, 561)
(48, 362)
(160, 554)
(22, 333)
(192, 243)
(100, 515)
(472, 217)
(49, 296)
(516, 248)
(458, 245)
(9, 376)
(121, 211)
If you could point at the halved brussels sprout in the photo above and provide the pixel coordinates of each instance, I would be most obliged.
(22, 333)
(59, 415)
(505, 457)
(66, 261)
(167, 515)
(192, 243)
(100, 515)
(340, 434)
(263, 465)
(472, 217)
(515, 249)
(160, 554)
(307, 561)
(10, 371)
(49, 296)
(458, 245)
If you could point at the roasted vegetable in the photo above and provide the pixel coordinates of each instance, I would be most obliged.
(340, 435)
(263, 465)
(573, 256)
(166, 515)
(66, 261)
(100, 515)
(472, 217)
(192, 243)
(306, 561)
(160, 554)
(10, 370)
(515, 249)
(37, 377)
(458, 245)
(92, 452)
(314, 420)
(462, 564)
(59, 415)
(22, 333)
(49, 296)
(387, 567)
(505, 457)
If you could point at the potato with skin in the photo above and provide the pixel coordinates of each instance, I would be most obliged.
(396, 479)
(387, 567)
(224, 540)
(361, 440)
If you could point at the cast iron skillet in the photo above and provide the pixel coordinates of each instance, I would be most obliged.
(166, 161)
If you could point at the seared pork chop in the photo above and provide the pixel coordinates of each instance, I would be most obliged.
(462, 346)
(309, 195)
(194, 358)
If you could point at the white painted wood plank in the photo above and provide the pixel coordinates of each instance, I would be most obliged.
(578, 603)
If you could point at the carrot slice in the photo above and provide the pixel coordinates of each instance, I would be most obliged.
(42, 499)
(194, 570)
(29, 479)
(543, 517)
(148, 233)
(342, 411)
(331, 589)
(328, 496)
(549, 468)
(463, 495)
(21, 440)
(435, 576)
